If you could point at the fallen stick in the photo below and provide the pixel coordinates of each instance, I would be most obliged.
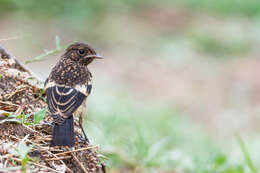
(72, 151)
(59, 158)
(80, 164)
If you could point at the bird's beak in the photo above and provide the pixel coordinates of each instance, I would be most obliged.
(97, 56)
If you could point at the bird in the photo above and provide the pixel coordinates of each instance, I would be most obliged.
(67, 88)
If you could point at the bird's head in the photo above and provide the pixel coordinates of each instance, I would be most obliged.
(81, 53)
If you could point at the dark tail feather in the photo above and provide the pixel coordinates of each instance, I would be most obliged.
(63, 134)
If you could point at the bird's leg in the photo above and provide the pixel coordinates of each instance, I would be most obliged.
(80, 125)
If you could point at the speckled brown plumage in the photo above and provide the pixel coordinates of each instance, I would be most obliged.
(67, 88)
(70, 69)
(69, 73)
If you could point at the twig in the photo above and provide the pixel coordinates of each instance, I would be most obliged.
(51, 52)
(34, 131)
(8, 103)
(80, 164)
(43, 148)
(46, 137)
(72, 151)
(67, 169)
(36, 164)
(59, 158)
(6, 156)
(27, 140)
(55, 150)
(15, 92)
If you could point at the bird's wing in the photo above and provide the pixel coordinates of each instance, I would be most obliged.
(64, 101)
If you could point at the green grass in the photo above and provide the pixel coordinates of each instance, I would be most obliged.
(246, 155)
(148, 137)
(96, 9)
(210, 44)
(248, 8)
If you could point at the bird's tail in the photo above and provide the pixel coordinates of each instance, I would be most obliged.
(63, 134)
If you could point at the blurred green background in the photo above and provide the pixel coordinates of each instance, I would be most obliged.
(179, 81)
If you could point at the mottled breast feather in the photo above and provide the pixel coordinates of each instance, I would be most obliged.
(70, 74)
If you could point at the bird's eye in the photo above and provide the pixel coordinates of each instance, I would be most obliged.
(81, 51)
